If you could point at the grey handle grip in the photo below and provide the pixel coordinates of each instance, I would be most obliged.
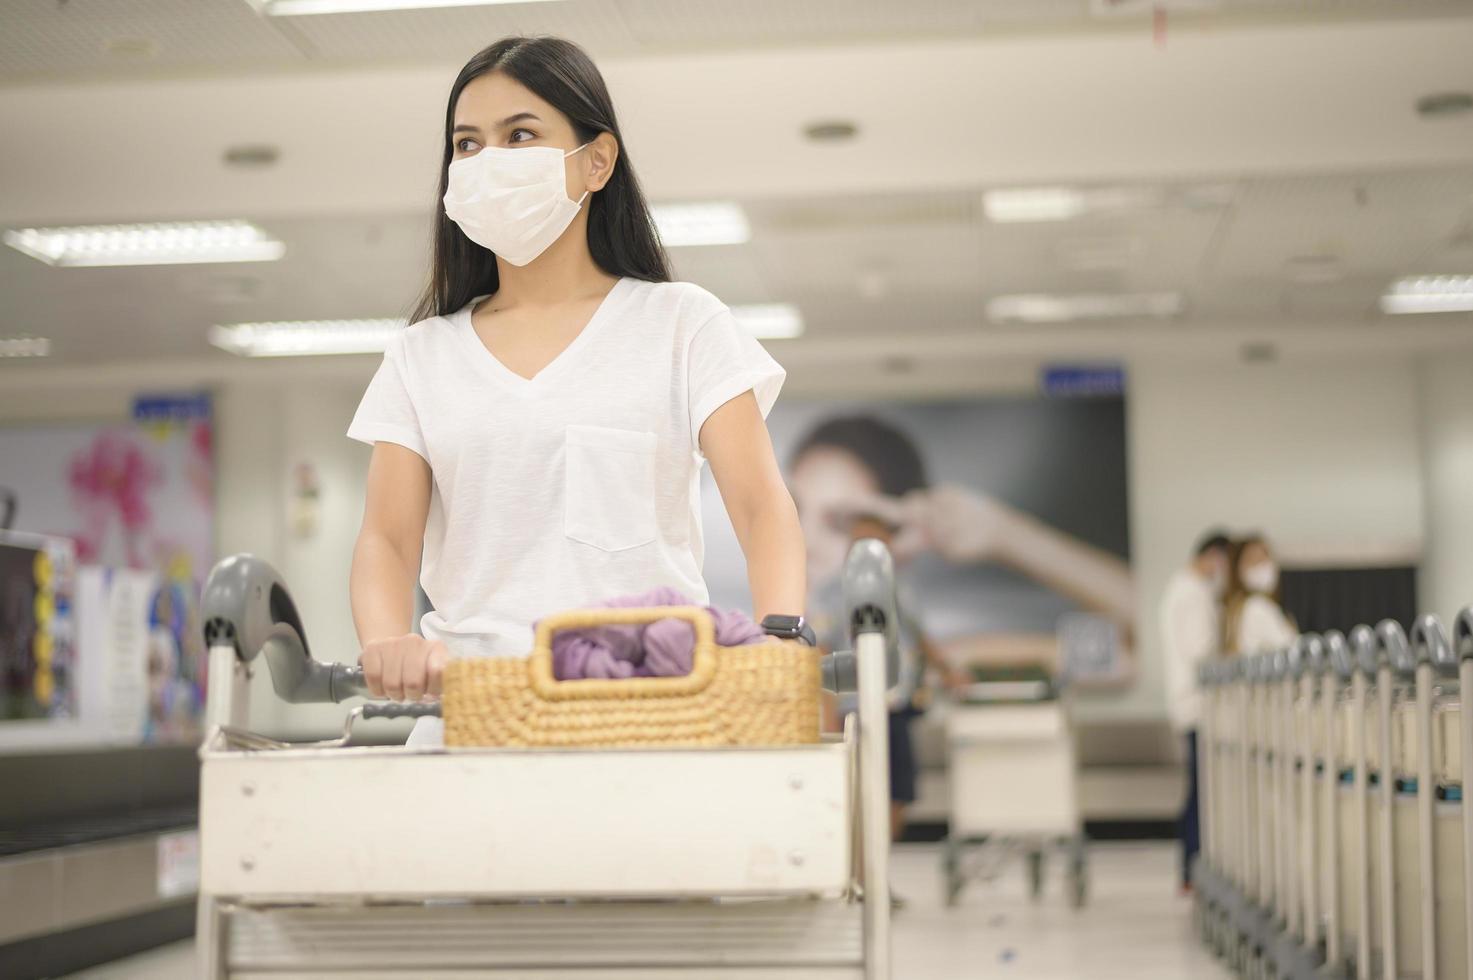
(401, 709)
(246, 606)
(870, 606)
(1395, 648)
(1339, 654)
(1431, 644)
(1463, 634)
(1365, 648)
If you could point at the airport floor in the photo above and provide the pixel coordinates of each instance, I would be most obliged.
(1135, 926)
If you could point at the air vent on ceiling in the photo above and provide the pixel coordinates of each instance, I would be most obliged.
(1105, 9)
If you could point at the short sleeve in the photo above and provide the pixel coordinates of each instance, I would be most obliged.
(725, 361)
(386, 413)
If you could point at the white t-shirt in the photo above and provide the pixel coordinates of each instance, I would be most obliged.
(1189, 635)
(1263, 627)
(573, 487)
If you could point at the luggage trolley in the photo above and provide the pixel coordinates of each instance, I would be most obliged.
(1014, 734)
(325, 861)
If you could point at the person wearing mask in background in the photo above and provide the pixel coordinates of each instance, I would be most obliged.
(1253, 619)
(915, 647)
(1191, 633)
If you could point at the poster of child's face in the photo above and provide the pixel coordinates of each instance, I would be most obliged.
(1005, 515)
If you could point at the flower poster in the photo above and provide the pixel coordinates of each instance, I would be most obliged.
(138, 495)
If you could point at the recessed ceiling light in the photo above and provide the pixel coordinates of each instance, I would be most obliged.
(702, 223)
(1429, 294)
(1440, 105)
(24, 347)
(251, 156)
(295, 338)
(1098, 254)
(831, 131)
(130, 47)
(1010, 205)
(153, 244)
(1315, 270)
(298, 8)
(1259, 352)
(1043, 308)
(770, 321)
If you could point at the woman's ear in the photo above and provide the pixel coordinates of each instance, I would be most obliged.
(603, 154)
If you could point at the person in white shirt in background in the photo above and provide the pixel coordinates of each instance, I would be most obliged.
(1254, 620)
(1191, 633)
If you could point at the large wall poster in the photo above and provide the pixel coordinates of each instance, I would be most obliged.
(1011, 519)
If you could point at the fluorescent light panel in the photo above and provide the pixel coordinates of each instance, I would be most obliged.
(296, 338)
(299, 8)
(770, 321)
(1043, 308)
(148, 244)
(1429, 294)
(24, 347)
(705, 223)
(1012, 205)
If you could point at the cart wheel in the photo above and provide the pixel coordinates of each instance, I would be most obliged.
(951, 868)
(1078, 876)
(1035, 873)
(1078, 885)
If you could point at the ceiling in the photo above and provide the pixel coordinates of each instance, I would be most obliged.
(1287, 176)
(65, 38)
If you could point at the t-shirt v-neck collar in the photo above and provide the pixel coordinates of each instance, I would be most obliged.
(493, 364)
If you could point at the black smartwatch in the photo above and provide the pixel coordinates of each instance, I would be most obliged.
(789, 628)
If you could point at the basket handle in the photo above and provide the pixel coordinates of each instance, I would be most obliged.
(549, 688)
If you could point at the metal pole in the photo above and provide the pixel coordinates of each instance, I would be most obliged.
(1387, 842)
(1267, 759)
(1241, 838)
(1426, 821)
(1462, 648)
(1330, 817)
(1308, 879)
(228, 689)
(1362, 826)
(874, 784)
(1289, 829)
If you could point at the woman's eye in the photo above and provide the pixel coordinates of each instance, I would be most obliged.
(526, 134)
(465, 145)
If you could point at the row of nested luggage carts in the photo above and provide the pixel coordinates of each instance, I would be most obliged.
(1336, 840)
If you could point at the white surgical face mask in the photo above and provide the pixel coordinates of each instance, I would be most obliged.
(1217, 581)
(512, 201)
(1262, 577)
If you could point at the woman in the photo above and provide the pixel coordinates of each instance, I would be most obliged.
(863, 466)
(1253, 618)
(538, 433)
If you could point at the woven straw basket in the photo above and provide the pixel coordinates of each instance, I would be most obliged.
(763, 694)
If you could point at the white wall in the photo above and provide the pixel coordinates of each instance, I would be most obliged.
(1323, 458)
(1447, 434)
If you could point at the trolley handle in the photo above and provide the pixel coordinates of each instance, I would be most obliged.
(1463, 634)
(1430, 644)
(400, 709)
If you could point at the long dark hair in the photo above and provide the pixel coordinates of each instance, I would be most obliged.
(621, 232)
(1238, 592)
(890, 455)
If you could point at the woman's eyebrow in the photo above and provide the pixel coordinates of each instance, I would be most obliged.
(519, 117)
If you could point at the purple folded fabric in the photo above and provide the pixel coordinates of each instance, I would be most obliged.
(665, 648)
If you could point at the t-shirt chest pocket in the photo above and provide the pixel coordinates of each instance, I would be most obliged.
(609, 487)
